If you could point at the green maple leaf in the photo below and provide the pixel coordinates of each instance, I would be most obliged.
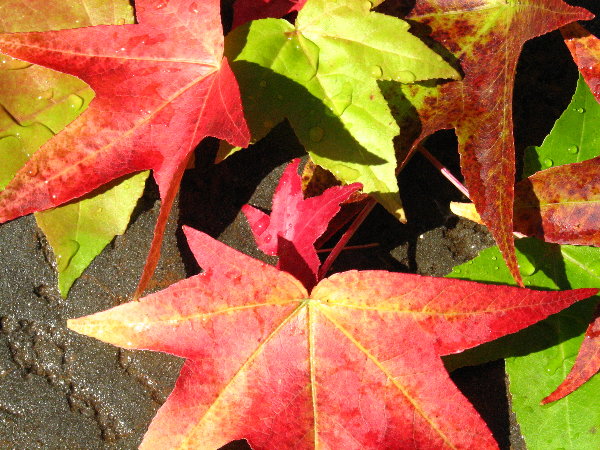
(574, 137)
(321, 74)
(35, 104)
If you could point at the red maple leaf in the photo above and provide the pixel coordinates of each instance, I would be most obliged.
(486, 38)
(354, 364)
(247, 10)
(161, 86)
(295, 224)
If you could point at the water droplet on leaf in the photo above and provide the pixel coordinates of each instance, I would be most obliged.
(573, 149)
(405, 76)
(47, 94)
(9, 63)
(33, 170)
(527, 268)
(548, 162)
(580, 110)
(263, 84)
(494, 258)
(376, 71)
(316, 134)
(75, 102)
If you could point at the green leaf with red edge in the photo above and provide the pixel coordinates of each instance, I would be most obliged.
(486, 37)
(295, 224)
(585, 48)
(156, 99)
(354, 364)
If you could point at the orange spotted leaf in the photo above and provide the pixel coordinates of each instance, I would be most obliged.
(156, 99)
(354, 364)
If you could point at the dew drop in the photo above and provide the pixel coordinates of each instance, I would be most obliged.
(456, 270)
(316, 134)
(496, 268)
(553, 365)
(573, 149)
(161, 5)
(263, 84)
(33, 170)
(405, 76)
(376, 71)
(580, 110)
(99, 210)
(548, 162)
(494, 258)
(527, 268)
(54, 197)
(9, 63)
(47, 94)
(75, 102)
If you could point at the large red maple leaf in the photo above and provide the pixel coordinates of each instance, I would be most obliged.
(354, 364)
(161, 86)
(486, 37)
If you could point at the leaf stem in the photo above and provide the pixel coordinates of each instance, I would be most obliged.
(444, 170)
(337, 249)
(350, 247)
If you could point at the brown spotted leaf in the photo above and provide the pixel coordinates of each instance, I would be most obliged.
(485, 37)
(561, 204)
(585, 48)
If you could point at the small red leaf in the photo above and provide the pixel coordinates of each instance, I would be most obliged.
(585, 48)
(295, 224)
(355, 364)
(156, 99)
